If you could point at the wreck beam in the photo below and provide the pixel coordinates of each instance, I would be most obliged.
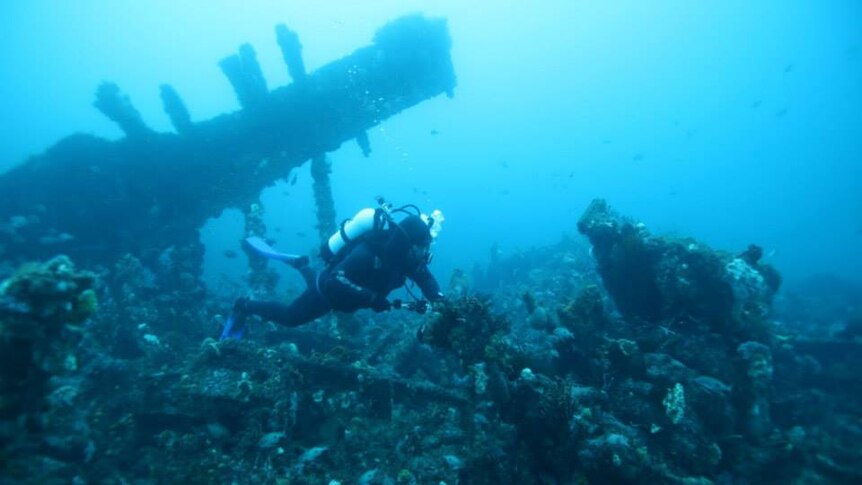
(320, 170)
(364, 143)
(291, 52)
(255, 83)
(246, 77)
(176, 109)
(118, 107)
(96, 200)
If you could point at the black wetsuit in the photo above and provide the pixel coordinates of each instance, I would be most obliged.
(361, 279)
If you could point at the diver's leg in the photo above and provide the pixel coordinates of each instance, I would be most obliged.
(304, 309)
(309, 276)
(297, 261)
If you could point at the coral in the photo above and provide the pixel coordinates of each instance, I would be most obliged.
(578, 394)
(467, 327)
(674, 403)
(753, 391)
(41, 298)
(43, 308)
(87, 303)
(586, 310)
(661, 278)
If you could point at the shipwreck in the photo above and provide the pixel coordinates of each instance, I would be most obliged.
(96, 200)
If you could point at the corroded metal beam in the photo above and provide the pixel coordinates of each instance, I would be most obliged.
(96, 199)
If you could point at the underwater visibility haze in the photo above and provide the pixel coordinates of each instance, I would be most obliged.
(646, 221)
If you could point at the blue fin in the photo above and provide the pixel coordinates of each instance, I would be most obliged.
(260, 247)
(234, 327)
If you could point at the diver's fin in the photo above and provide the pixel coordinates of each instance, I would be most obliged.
(234, 327)
(260, 247)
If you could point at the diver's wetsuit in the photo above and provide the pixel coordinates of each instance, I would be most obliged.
(362, 279)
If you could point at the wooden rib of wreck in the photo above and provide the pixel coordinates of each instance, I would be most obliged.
(96, 200)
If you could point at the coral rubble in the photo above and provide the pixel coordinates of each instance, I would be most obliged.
(664, 364)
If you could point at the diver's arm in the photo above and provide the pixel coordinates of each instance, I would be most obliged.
(427, 283)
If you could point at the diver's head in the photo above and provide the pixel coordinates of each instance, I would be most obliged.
(417, 230)
(410, 243)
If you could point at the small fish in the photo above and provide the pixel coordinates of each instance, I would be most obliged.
(712, 385)
(504, 164)
(230, 254)
(788, 68)
(504, 192)
(301, 234)
(58, 239)
(311, 454)
(781, 113)
(637, 157)
(293, 179)
(434, 132)
(756, 104)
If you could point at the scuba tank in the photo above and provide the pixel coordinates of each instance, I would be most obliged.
(363, 222)
(371, 220)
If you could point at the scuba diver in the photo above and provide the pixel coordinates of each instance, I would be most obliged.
(369, 256)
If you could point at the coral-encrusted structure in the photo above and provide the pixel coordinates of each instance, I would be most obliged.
(97, 200)
(539, 382)
(652, 278)
(43, 307)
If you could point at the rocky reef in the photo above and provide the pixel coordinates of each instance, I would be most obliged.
(43, 311)
(621, 357)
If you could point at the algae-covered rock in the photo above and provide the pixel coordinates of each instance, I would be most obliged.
(42, 308)
(656, 278)
(467, 326)
(40, 298)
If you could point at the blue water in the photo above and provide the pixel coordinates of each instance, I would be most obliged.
(734, 122)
